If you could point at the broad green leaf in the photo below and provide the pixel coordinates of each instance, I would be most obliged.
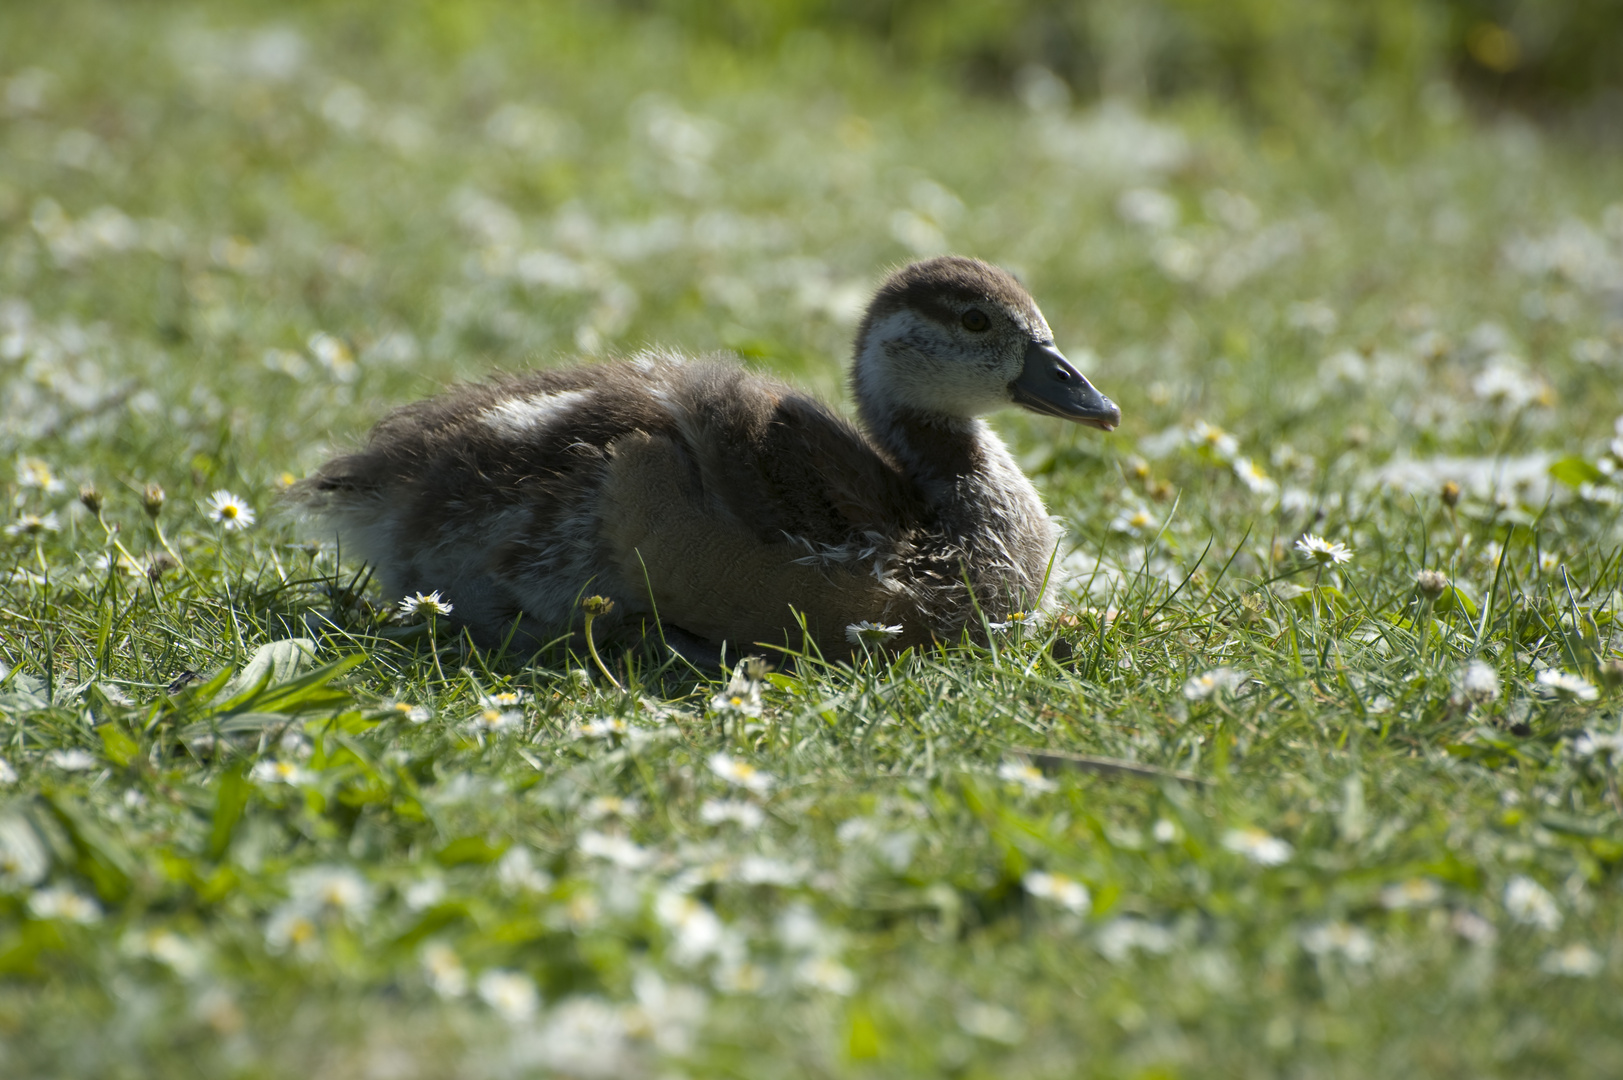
(470, 849)
(1575, 471)
(117, 744)
(1455, 599)
(274, 662)
(101, 859)
(230, 800)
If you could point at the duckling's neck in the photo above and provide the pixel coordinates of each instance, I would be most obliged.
(961, 467)
(979, 498)
(939, 452)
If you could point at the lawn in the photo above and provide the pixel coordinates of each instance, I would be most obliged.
(1238, 804)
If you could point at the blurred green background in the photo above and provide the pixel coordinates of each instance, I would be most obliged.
(1281, 59)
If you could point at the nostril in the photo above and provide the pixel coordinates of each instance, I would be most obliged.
(1061, 374)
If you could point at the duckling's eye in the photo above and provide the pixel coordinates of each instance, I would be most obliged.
(975, 319)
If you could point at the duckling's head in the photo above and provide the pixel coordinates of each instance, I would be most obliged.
(955, 338)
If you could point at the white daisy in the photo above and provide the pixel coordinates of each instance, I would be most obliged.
(1322, 551)
(36, 473)
(63, 904)
(743, 693)
(871, 633)
(1067, 892)
(1530, 904)
(511, 994)
(1352, 942)
(228, 511)
(746, 815)
(1416, 892)
(1211, 437)
(1027, 776)
(424, 605)
(443, 970)
(1564, 684)
(268, 771)
(1251, 475)
(416, 714)
(1577, 961)
(1132, 522)
(1258, 846)
(34, 525)
(72, 760)
(741, 773)
(1223, 680)
(604, 727)
(1017, 621)
(1478, 683)
(332, 890)
(495, 721)
(607, 806)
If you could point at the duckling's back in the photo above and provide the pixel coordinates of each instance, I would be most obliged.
(506, 497)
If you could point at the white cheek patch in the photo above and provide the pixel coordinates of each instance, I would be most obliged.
(519, 417)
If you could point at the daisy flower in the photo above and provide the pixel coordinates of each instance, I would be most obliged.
(443, 970)
(604, 727)
(746, 815)
(743, 693)
(1578, 961)
(1133, 522)
(63, 904)
(424, 605)
(871, 633)
(1067, 892)
(741, 773)
(1017, 620)
(269, 771)
(1564, 684)
(36, 473)
(33, 525)
(491, 721)
(1216, 681)
(1258, 846)
(1211, 437)
(1478, 683)
(1530, 904)
(416, 714)
(1251, 475)
(1417, 892)
(1322, 551)
(511, 994)
(228, 511)
(1027, 776)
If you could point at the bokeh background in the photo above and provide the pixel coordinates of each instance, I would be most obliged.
(1352, 268)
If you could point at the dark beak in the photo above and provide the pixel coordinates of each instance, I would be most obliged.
(1051, 386)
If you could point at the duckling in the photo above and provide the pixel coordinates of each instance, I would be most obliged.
(716, 505)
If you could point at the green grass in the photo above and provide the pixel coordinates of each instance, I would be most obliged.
(272, 871)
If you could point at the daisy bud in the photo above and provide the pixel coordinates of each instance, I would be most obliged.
(152, 501)
(597, 605)
(1431, 583)
(1450, 493)
(91, 498)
